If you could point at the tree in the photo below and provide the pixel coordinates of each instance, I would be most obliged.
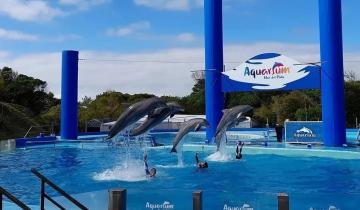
(26, 91)
(195, 102)
(352, 102)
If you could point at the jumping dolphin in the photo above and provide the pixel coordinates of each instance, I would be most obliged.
(134, 113)
(188, 126)
(230, 118)
(156, 117)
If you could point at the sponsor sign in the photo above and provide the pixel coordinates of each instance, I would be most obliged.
(303, 131)
(243, 207)
(271, 71)
(159, 206)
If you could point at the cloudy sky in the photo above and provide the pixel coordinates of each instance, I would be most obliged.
(156, 43)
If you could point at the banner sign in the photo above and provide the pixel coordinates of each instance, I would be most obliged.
(271, 71)
(303, 131)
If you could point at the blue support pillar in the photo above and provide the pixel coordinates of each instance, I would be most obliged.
(332, 77)
(69, 95)
(214, 97)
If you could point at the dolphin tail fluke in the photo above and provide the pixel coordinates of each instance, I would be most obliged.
(173, 150)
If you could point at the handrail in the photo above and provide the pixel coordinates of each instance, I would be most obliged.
(44, 181)
(51, 130)
(12, 198)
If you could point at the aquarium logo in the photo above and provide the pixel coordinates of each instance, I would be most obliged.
(304, 132)
(243, 207)
(268, 71)
(165, 205)
(276, 69)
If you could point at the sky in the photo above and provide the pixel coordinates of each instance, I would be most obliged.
(152, 46)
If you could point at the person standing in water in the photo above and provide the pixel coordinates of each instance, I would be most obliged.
(200, 164)
(239, 150)
(152, 171)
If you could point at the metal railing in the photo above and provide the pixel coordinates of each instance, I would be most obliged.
(12, 198)
(50, 131)
(43, 195)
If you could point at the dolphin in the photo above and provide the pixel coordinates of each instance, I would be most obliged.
(156, 117)
(134, 112)
(186, 127)
(230, 118)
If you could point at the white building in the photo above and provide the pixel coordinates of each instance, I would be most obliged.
(175, 122)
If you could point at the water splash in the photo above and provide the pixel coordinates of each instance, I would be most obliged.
(129, 171)
(180, 156)
(221, 155)
(131, 168)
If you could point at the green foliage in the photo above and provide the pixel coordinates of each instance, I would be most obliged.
(15, 120)
(352, 102)
(26, 91)
(52, 117)
(195, 102)
(23, 99)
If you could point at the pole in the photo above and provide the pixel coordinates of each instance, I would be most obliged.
(214, 97)
(69, 94)
(197, 200)
(283, 201)
(42, 195)
(332, 75)
(117, 199)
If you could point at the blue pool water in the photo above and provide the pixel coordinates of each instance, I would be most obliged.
(313, 179)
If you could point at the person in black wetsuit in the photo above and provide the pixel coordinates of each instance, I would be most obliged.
(200, 164)
(239, 150)
(152, 171)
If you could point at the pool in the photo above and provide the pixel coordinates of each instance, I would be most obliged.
(313, 178)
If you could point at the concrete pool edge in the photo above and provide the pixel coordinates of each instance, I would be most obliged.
(292, 152)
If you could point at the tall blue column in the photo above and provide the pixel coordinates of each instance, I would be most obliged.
(332, 77)
(69, 95)
(214, 98)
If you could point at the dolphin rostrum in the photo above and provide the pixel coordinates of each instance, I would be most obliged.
(133, 113)
(230, 118)
(186, 127)
(156, 117)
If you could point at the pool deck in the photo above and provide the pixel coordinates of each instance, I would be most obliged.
(285, 151)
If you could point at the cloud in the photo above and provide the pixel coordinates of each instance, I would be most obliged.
(180, 5)
(138, 30)
(28, 10)
(184, 5)
(182, 37)
(16, 35)
(3, 55)
(168, 74)
(130, 29)
(186, 37)
(83, 4)
(62, 38)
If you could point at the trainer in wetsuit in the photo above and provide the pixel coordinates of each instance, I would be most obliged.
(152, 171)
(239, 150)
(200, 164)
